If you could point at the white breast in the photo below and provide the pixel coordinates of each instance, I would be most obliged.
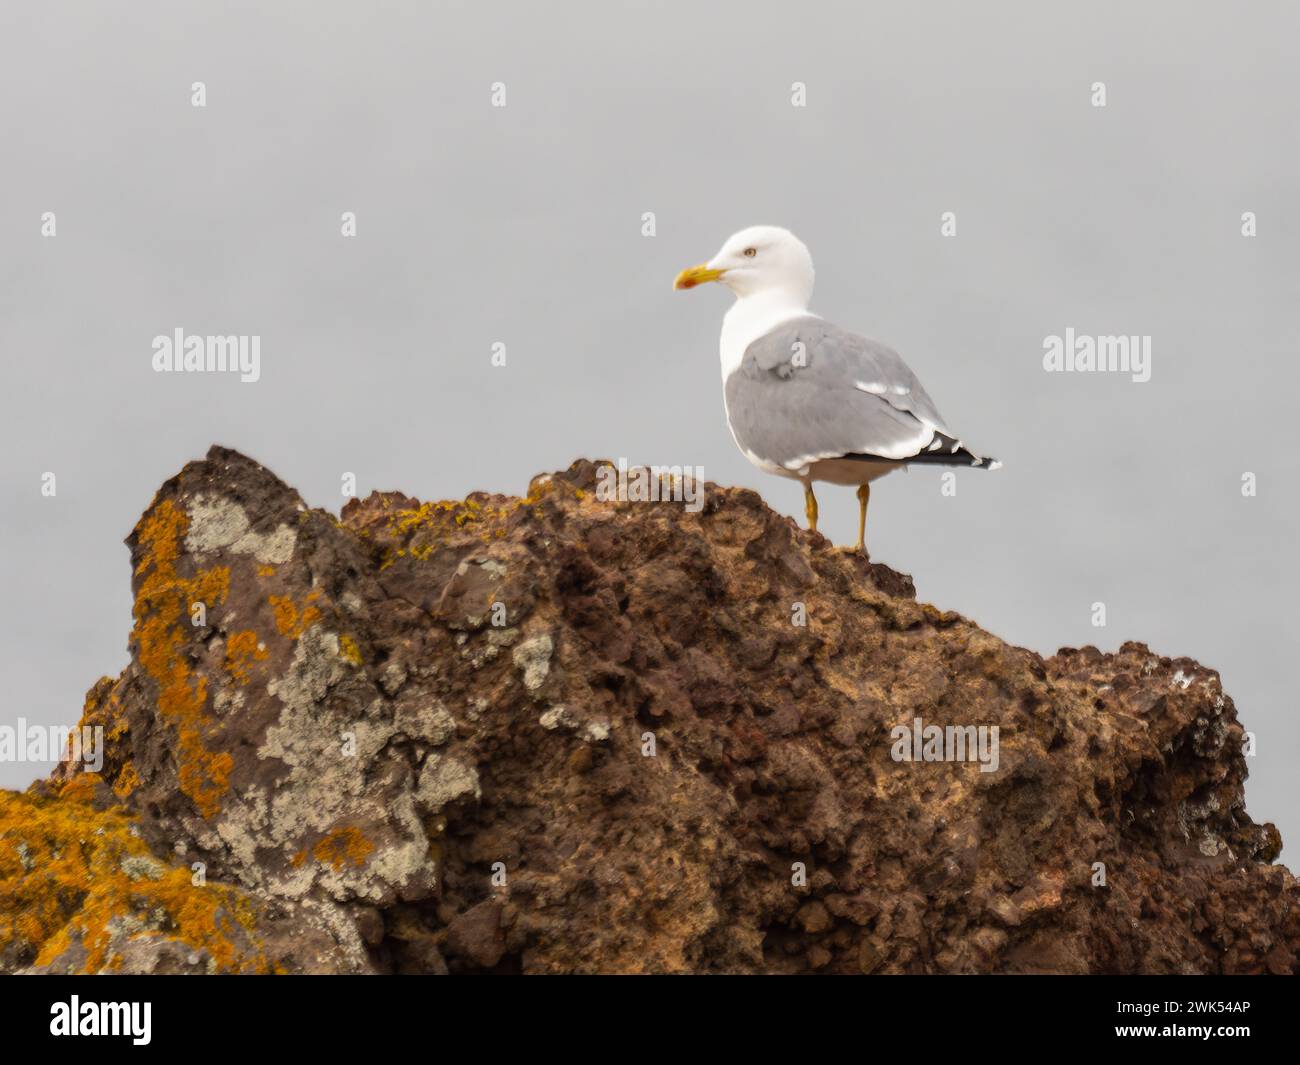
(751, 317)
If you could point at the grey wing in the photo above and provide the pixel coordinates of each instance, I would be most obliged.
(809, 390)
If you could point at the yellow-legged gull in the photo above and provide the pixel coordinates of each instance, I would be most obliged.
(804, 398)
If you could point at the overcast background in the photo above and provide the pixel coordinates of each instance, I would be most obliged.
(523, 225)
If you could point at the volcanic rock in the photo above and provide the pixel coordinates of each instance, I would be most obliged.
(559, 734)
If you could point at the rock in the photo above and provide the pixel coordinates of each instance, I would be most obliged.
(475, 935)
(553, 734)
(370, 924)
(814, 917)
(869, 957)
(819, 957)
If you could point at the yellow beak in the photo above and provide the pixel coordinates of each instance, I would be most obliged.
(696, 275)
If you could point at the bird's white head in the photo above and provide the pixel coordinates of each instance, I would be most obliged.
(765, 261)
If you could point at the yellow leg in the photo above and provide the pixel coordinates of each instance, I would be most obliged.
(810, 506)
(864, 494)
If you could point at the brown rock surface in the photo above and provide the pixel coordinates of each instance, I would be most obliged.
(555, 734)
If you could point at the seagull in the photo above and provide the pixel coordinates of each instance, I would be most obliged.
(804, 398)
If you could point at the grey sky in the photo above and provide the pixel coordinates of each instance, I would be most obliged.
(523, 225)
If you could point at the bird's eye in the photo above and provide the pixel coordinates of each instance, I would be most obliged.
(750, 252)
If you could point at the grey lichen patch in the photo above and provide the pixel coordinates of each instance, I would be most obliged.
(502, 637)
(369, 738)
(392, 678)
(479, 655)
(557, 717)
(227, 700)
(405, 863)
(218, 524)
(424, 718)
(316, 666)
(533, 658)
(444, 780)
(332, 735)
(1210, 845)
(134, 951)
(239, 831)
(342, 929)
(142, 867)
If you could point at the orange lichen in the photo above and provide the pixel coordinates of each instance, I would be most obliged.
(103, 709)
(339, 848)
(159, 642)
(81, 788)
(289, 620)
(64, 880)
(420, 530)
(242, 650)
(405, 520)
(349, 649)
(441, 515)
(266, 571)
(127, 780)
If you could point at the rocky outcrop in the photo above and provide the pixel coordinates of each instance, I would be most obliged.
(560, 734)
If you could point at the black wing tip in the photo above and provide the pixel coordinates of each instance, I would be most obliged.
(950, 458)
(949, 452)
